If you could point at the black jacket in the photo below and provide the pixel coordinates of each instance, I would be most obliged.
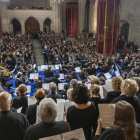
(48, 73)
(20, 101)
(55, 80)
(134, 101)
(39, 84)
(54, 96)
(63, 94)
(31, 113)
(18, 82)
(112, 95)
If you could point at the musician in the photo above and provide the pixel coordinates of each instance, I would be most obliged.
(105, 68)
(57, 60)
(92, 70)
(117, 60)
(5, 80)
(45, 52)
(56, 80)
(63, 70)
(30, 70)
(84, 74)
(124, 63)
(39, 82)
(18, 81)
(48, 73)
(63, 59)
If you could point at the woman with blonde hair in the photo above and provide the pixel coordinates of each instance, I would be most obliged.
(116, 85)
(123, 127)
(129, 90)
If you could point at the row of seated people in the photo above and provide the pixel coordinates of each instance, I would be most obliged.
(84, 114)
(29, 8)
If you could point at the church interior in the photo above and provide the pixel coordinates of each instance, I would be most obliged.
(69, 70)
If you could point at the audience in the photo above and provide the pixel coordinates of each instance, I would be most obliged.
(21, 100)
(82, 114)
(12, 125)
(32, 109)
(73, 83)
(48, 126)
(94, 80)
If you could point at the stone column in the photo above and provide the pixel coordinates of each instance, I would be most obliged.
(22, 28)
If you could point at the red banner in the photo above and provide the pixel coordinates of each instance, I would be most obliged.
(108, 18)
(72, 19)
(0, 30)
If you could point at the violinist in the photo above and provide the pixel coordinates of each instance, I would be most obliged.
(84, 74)
(4, 80)
(30, 70)
(18, 81)
(63, 70)
(92, 70)
(39, 82)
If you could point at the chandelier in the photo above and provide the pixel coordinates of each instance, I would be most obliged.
(58, 0)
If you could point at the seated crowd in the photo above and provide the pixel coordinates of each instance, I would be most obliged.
(29, 8)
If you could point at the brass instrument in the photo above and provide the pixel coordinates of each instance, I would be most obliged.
(7, 73)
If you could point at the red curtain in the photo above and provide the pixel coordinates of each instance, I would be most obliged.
(108, 18)
(72, 19)
(0, 30)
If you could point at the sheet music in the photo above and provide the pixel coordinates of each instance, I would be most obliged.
(45, 86)
(33, 75)
(60, 113)
(44, 67)
(106, 112)
(31, 101)
(61, 86)
(61, 76)
(28, 89)
(107, 75)
(34, 66)
(101, 92)
(57, 66)
(60, 100)
(79, 82)
(74, 135)
(56, 137)
(78, 69)
(38, 119)
(117, 73)
(88, 85)
(68, 104)
(19, 110)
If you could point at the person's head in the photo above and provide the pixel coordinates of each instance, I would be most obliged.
(22, 89)
(47, 110)
(80, 94)
(2, 73)
(5, 101)
(85, 72)
(49, 68)
(74, 75)
(94, 90)
(19, 76)
(69, 92)
(73, 83)
(57, 76)
(126, 58)
(39, 95)
(66, 86)
(124, 118)
(52, 88)
(39, 78)
(94, 80)
(118, 54)
(101, 80)
(124, 74)
(137, 79)
(116, 83)
(129, 87)
(133, 70)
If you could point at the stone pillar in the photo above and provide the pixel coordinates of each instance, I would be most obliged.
(95, 16)
(81, 15)
(4, 16)
(22, 28)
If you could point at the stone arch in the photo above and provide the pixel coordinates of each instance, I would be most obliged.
(15, 25)
(32, 24)
(52, 23)
(124, 29)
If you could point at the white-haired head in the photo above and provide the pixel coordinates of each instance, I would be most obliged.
(52, 87)
(69, 91)
(47, 110)
(5, 100)
(73, 83)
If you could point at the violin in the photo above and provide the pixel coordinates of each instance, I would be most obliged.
(7, 73)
